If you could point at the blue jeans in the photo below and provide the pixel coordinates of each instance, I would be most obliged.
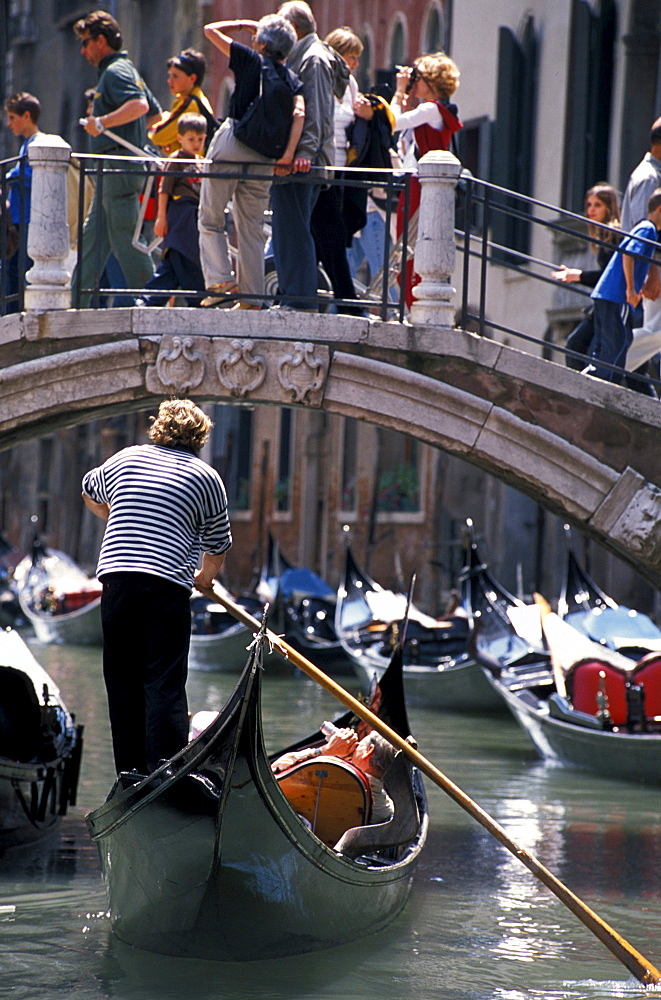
(294, 251)
(612, 337)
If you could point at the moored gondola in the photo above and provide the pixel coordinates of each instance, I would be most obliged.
(303, 610)
(603, 714)
(586, 607)
(206, 858)
(40, 749)
(440, 670)
(61, 602)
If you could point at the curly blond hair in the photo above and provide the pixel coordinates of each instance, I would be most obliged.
(439, 72)
(180, 424)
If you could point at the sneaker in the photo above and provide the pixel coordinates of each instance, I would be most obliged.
(220, 294)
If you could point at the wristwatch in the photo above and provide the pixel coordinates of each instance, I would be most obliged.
(100, 127)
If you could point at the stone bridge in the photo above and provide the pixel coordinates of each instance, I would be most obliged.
(586, 450)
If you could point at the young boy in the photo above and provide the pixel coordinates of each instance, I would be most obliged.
(620, 289)
(23, 112)
(176, 216)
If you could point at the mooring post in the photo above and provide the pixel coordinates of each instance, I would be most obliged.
(435, 253)
(48, 231)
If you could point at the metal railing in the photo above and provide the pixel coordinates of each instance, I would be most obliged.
(14, 259)
(480, 204)
(384, 295)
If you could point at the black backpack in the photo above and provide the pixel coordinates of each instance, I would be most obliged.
(266, 125)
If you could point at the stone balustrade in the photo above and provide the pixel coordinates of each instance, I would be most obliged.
(49, 280)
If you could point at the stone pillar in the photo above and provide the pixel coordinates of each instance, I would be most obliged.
(48, 232)
(433, 303)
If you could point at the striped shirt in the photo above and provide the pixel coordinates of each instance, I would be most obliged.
(166, 505)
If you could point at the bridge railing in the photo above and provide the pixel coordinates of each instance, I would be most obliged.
(13, 233)
(382, 295)
(485, 209)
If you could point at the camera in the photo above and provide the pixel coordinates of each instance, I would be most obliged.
(413, 76)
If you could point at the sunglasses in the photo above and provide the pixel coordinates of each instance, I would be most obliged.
(84, 42)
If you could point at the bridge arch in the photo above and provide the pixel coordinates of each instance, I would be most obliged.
(589, 455)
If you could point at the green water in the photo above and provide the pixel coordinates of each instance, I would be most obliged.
(478, 924)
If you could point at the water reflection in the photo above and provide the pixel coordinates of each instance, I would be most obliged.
(478, 926)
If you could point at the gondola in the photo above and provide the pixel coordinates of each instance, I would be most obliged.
(440, 670)
(61, 602)
(303, 610)
(585, 607)
(206, 858)
(40, 749)
(603, 713)
(218, 641)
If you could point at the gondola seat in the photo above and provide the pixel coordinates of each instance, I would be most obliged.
(584, 684)
(647, 672)
(20, 716)
(405, 821)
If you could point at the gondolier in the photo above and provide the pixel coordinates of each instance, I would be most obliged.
(163, 506)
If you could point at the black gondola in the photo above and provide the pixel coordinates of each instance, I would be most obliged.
(586, 607)
(206, 858)
(440, 668)
(40, 749)
(303, 610)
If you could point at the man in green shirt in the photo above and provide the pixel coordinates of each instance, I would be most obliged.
(122, 103)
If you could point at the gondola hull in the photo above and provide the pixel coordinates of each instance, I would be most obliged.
(207, 859)
(40, 749)
(224, 652)
(75, 628)
(623, 755)
(458, 686)
(270, 889)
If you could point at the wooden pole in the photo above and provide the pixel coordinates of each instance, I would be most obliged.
(636, 963)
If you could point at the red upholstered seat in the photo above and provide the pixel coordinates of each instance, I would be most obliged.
(648, 673)
(584, 685)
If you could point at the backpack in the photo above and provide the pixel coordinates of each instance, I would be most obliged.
(266, 125)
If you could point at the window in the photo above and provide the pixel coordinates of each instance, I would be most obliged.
(349, 466)
(398, 473)
(589, 99)
(397, 44)
(433, 35)
(232, 442)
(513, 140)
(364, 72)
(283, 485)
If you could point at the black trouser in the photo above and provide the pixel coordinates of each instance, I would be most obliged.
(330, 238)
(146, 634)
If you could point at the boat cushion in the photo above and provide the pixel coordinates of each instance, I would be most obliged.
(20, 716)
(648, 673)
(584, 684)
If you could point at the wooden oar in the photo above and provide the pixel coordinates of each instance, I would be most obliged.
(636, 963)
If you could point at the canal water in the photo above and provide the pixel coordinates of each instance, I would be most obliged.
(478, 924)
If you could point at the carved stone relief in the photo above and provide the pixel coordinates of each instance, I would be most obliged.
(239, 369)
(272, 371)
(302, 372)
(181, 367)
